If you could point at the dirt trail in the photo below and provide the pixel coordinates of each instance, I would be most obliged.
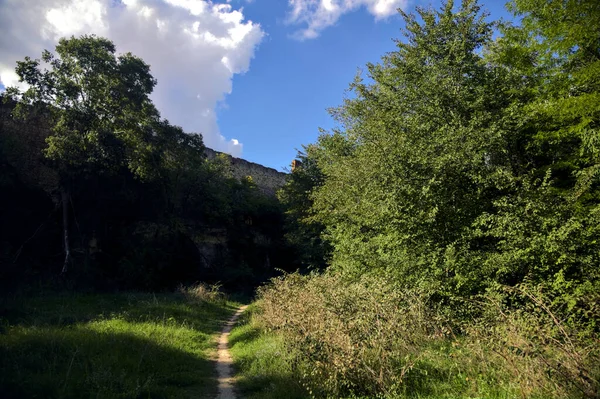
(224, 362)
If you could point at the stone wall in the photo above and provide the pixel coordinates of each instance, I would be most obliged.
(268, 180)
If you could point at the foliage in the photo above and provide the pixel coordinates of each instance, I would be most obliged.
(456, 203)
(342, 333)
(421, 151)
(465, 169)
(535, 345)
(367, 338)
(303, 233)
(462, 162)
(202, 293)
(99, 102)
(143, 207)
(545, 230)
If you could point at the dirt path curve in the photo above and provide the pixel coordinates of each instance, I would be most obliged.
(224, 362)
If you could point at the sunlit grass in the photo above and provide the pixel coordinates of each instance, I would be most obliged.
(109, 346)
(264, 370)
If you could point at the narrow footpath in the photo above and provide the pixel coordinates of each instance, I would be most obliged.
(224, 362)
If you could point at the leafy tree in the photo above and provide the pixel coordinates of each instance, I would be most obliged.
(556, 54)
(100, 110)
(463, 162)
(303, 232)
(178, 166)
(421, 151)
(546, 232)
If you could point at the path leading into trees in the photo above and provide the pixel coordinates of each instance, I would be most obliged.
(224, 361)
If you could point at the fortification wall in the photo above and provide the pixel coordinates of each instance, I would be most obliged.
(268, 180)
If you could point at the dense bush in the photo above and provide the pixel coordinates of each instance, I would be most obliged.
(358, 337)
(537, 345)
(368, 337)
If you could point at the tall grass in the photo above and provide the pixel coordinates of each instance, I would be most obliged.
(201, 293)
(540, 352)
(370, 339)
(126, 345)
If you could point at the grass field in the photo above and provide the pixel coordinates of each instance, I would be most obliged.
(125, 345)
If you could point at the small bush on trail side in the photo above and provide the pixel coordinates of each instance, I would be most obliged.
(201, 292)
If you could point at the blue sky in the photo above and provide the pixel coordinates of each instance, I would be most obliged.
(254, 77)
(280, 103)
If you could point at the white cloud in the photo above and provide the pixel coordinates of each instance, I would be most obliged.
(317, 15)
(194, 47)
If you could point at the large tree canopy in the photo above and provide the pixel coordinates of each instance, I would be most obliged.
(99, 101)
(465, 161)
(101, 116)
(420, 144)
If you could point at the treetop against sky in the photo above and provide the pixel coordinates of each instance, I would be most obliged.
(255, 77)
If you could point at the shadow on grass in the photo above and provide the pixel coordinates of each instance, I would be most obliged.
(78, 362)
(126, 345)
(68, 309)
(245, 336)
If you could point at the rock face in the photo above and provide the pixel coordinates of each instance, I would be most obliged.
(268, 180)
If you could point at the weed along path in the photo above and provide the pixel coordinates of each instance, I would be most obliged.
(224, 362)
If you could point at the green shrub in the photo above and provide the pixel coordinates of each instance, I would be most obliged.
(536, 346)
(202, 293)
(371, 338)
(362, 337)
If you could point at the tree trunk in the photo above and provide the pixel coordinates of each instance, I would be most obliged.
(64, 196)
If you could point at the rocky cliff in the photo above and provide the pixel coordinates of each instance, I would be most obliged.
(267, 179)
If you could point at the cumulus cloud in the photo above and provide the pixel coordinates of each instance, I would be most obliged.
(194, 47)
(319, 14)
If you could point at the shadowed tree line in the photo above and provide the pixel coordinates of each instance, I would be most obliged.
(99, 189)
